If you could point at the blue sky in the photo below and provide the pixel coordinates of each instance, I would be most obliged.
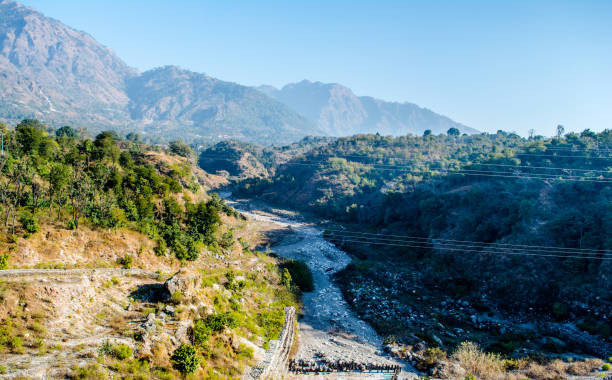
(512, 65)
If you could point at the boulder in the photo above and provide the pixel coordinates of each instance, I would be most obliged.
(447, 370)
(185, 281)
(182, 331)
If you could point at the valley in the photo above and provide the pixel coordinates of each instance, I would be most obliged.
(160, 223)
(328, 328)
(431, 282)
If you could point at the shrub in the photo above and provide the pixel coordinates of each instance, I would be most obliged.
(122, 351)
(200, 333)
(244, 244)
(470, 377)
(185, 359)
(71, 225)
(286, 278)
(218, 322)
(513, 364)
(481, 364)
(177, 297)
(161, 248)
(91, 371)
(300, 274)
(4, 261)
(29, 222)
(271, 321)
(585, 367)
(432, 356)
(244, 352)
(16, 344)
(118, 350)
(126, 261)
(230, 276)
(560, 311)
(227, 240)
(180, 148)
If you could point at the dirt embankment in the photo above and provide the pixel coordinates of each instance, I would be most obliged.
(62, 317)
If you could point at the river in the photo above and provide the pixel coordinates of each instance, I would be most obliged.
(328, 328)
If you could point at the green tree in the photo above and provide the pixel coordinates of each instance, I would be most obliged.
(66, 131)
(29, 135)
(560, 131)
(106, 146)
(453, 132)
(180, 148)
(203, 221)
(59, 177)
(126, 160)
(133, 137)
(185, 359)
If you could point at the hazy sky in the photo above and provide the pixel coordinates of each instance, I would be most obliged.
(512, 65)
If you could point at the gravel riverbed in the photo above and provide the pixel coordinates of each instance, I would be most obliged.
(329, 328)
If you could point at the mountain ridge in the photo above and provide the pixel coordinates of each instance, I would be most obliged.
(340, 112)
(63, 76)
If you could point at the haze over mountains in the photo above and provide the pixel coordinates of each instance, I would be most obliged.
(339, 112)
(63, 76)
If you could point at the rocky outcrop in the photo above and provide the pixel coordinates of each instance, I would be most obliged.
(185, 281)
(570, 333)
(275, 360)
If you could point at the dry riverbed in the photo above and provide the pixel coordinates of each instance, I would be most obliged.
(328, 329)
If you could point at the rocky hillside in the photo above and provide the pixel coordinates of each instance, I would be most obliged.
(53, 72)
(339, 112)
(63, 76)
(180, 103)
(116, 262)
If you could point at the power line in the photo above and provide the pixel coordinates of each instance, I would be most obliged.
(475, 170)
(491, 152)
(407, 161)
(482, 173)
(542, 167)
(558, 156)
(428, 243)
(472, 250)
(569, 149)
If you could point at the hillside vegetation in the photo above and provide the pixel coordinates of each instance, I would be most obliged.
(157, 277)
(493, 238)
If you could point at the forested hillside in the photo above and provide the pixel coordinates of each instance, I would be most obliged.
(513, 227)
(116, 262)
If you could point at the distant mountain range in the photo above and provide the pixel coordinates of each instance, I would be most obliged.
(339, 112)
(63, 76)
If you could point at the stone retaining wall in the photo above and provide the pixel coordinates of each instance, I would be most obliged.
(274, 363)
